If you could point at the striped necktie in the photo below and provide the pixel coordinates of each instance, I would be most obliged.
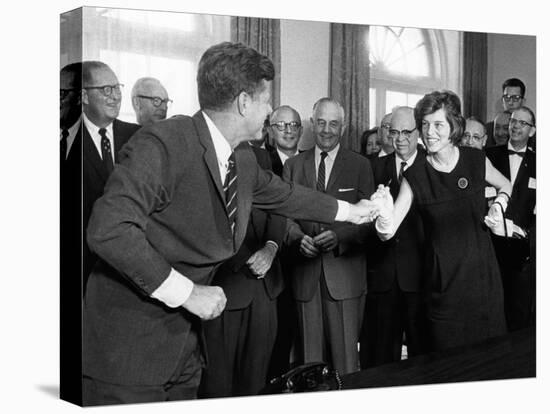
(321, 173)
(230, 190)
(106, 151)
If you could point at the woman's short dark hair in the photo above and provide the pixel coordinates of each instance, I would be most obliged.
(435, 101)
(226, 70)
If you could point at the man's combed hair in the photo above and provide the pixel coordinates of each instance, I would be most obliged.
(450, 102)
(76, 70)
(88, 67)
(514, 83)
(226, 70)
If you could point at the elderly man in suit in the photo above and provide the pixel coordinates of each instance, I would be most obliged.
(174, 210)
(385, 140)
(240, 341)
(514, 247)
(100, 136)
(150, 101)
(475, 134)
(329, 268)
(395, 303)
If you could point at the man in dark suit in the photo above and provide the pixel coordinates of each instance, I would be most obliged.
(98, 141)
(173, 211)
(240, 341)
(497, 130)
(395, 303)
(70, 105)
(329, 267)
(513, 97)
(285, 129)
(517, 162)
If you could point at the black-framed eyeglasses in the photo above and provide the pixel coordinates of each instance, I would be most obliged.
(107, 90)
(475, 137)
(520, 122)
(64, 92)
(513, 98)
(394, 133)
(282, 125)
(156, 100)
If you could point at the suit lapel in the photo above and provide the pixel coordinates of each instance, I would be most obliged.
(522, 179)
(117, 134)
(505, 161)
(90, 153)
(337, 167)
(209, 155)
(309, 169)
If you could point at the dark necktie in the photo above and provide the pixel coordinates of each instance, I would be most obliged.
(230, 189)
(520, 153)
(321, 173)
(400, 176)
(106, 151)
(64, 135)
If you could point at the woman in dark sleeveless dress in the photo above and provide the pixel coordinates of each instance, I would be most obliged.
(465, 303)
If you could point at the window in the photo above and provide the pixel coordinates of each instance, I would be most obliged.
(406, 63)
(138, 43)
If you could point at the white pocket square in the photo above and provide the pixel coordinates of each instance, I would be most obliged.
(342, 190)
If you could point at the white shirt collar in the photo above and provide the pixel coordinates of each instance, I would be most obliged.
(285, 157)
(221, 146)
(331, 154)
(510, 147)
(409, 162)
(72, 134)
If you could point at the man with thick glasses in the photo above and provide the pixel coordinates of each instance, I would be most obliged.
(385, 139)
(515, 248)
(100, 137)
(285, 130)
(475, 134)
(150, 101)
(395, 303)
(513, 97)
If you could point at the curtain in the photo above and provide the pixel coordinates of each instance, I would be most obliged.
(475, 75)
(264, 35)
(349, 78)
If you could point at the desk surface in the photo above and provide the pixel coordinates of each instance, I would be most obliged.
(508, 356)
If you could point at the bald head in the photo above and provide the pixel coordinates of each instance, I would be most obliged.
(145, 94)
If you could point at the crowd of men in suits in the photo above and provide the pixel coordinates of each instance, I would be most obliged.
(270, 292)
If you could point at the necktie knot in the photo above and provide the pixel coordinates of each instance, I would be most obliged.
(324, 154)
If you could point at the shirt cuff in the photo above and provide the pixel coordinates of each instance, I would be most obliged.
(175, 290)
(343, 211)
(273, 243)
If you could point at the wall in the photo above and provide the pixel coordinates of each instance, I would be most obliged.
(510, 56)
(305, 47)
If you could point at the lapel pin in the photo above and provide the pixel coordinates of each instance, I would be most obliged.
(462, 183)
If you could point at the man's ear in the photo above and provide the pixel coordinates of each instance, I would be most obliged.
(243, 102)
(84, 96)
(532, 131)
(484, 141)
(135, 103)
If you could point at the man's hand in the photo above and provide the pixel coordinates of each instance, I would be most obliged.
(260, 262)
(364, 211)
(308, 247)
(207, 302)
(326, 240)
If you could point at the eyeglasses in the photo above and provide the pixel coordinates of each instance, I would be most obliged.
(394, 133)
(64, 92)
(157, 101)
(521, 123)
(475, 137)
(282, 125)
(107, 90)
(513, 98)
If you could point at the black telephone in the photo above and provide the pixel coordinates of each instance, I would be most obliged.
(315, 376)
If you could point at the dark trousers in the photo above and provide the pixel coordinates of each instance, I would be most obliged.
(517, 269)
(387, 316)
(182, 385)
(329, 329)
(239, 345)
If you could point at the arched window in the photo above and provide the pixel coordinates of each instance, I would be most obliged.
(406, 63)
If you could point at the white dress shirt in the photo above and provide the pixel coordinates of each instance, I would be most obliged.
(515, 161)
(93, 130)
(409, 162)
(283, 157)
(72, 135)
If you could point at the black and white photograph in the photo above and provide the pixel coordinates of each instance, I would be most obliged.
(290, 209)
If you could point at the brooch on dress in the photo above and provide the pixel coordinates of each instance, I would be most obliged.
(462, 183)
